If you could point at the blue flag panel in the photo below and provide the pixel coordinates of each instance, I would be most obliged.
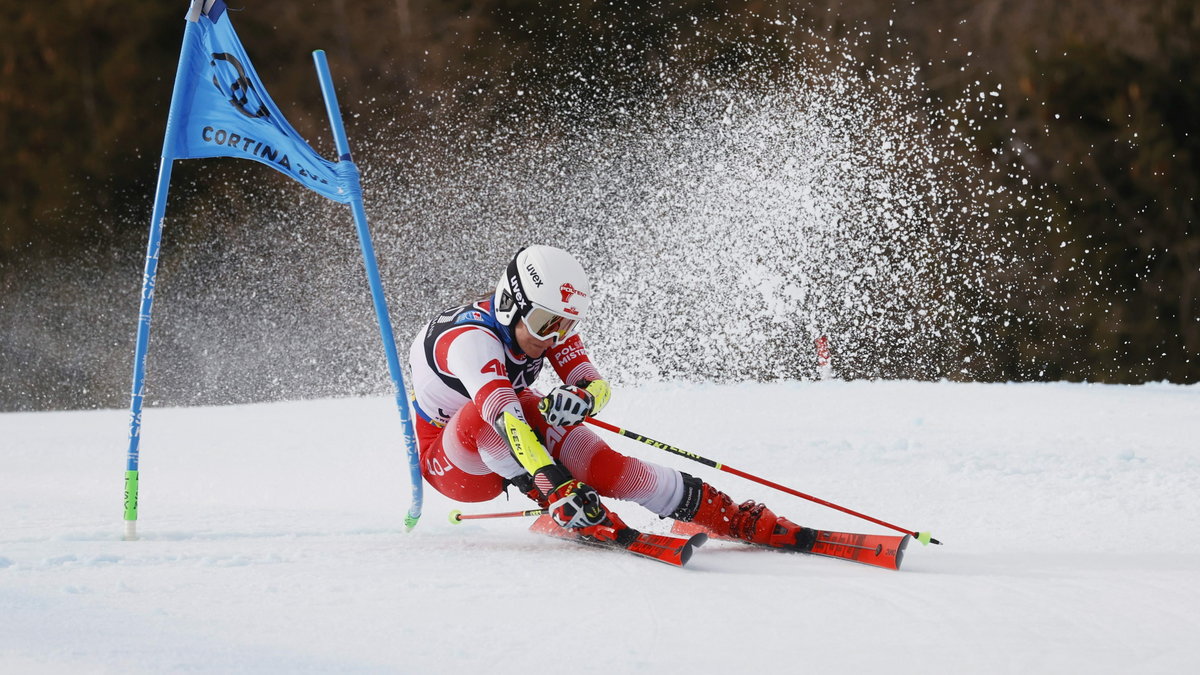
(226, 111)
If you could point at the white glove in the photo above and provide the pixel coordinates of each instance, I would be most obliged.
(566, 405)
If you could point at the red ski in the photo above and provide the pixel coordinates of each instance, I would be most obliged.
(663, 548)
(869, 549)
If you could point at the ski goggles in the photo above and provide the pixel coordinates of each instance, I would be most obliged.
(544, 324)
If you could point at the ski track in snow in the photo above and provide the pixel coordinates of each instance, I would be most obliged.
(272, 541)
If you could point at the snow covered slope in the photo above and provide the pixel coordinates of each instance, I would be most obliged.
(272, 541)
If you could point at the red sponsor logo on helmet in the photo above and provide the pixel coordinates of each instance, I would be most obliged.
(568, 291)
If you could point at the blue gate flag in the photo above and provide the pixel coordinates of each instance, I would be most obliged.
(226, 112)
(219, 108)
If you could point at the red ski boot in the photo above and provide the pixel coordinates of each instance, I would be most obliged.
(710, 508)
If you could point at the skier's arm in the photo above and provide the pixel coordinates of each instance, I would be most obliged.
(585, 393)
(498, 404)
(476, 357)
(571, 362)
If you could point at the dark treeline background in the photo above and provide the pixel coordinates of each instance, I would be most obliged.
(1101, 102)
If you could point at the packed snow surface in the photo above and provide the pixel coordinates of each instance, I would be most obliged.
(272, 541)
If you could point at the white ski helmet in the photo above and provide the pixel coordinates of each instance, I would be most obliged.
(546, 288)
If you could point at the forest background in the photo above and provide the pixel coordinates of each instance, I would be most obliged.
(1101, 102)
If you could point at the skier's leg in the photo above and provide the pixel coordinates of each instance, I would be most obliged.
(662, 490)
(707, 506)
(451, 460)
(612, 474)
(657, 488)
(671, 493)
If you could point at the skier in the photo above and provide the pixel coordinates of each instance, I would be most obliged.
(481, 426)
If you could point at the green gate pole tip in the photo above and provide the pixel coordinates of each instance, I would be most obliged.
(410, 522)
(131, 505)
(455, 516)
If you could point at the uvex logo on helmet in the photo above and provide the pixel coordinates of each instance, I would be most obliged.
(534, 276)
(517, 291)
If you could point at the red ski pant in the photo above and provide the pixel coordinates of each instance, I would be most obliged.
(452, 463)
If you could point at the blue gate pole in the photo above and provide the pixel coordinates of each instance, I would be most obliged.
(349, 172)
(143, 345)
(149, 275)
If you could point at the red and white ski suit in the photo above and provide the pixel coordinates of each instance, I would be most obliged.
(466, 371)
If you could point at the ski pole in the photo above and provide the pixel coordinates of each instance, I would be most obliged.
(457, 516)
(923, 537)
